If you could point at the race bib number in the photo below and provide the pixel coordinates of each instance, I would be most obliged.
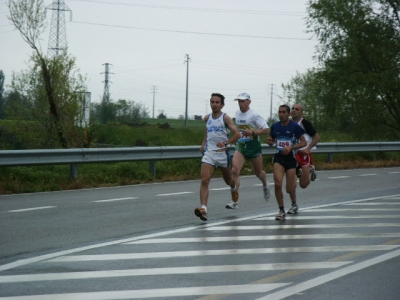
(282, 143)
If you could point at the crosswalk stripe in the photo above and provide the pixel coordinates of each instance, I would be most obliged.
(265, 238)
(170, 271)
(157, 293)
(251, 251)
(261, 227)
(306, 285)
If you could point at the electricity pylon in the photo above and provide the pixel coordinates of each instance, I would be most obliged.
(58, 36)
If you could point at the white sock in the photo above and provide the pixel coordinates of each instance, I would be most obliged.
(205, 207)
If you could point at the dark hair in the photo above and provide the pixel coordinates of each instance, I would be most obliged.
(220, 96)
(285, 106)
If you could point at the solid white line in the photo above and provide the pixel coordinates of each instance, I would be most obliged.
(170, 271)
(262, 227)
(116, 199)
(329, 277)
(297, 217)
(265, 238)
(171, 194)
(157, 293)
(349, 209)
(128, 256)
(374, 203)
(33, 208)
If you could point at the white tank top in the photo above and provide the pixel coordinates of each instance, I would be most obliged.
(217, 131)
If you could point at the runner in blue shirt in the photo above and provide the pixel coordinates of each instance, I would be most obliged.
(288, 137)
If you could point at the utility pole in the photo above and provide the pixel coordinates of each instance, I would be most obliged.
(270, 109)
(187, 88)
(58, 36)
(154, 90)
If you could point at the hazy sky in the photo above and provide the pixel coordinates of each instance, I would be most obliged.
(234, 46)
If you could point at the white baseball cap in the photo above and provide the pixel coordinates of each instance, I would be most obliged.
(243, 96)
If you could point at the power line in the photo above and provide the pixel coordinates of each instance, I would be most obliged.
(196, 32)
(200, 9)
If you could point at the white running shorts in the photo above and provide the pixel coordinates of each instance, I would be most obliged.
(215, 159)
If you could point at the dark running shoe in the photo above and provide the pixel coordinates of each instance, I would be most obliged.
(313, 174)
(201, 213)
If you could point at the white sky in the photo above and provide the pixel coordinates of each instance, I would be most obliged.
(234, 46)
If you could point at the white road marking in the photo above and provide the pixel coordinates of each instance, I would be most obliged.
(297, 217)
(172, 194)
(251, 251)
(170, 271)
(262, 227)
(116, 199)
(394, 172)
(348, 209)
(301, 287)
(219, 189)
(367, 174)
(32, 208)
(338, 177)
(26, 261)
(374, 203)
(266, 238)
(157, 293)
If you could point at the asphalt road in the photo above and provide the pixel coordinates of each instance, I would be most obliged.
(140, 242)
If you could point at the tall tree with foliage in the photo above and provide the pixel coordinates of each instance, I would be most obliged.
(68, 97)
(359, 53)
(1, 94)
(51, 77)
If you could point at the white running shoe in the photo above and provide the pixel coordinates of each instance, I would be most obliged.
(232, 205)
(281, 216)
(267, 192)
(293, 209)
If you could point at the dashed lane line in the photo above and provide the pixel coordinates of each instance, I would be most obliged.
(116, 199)
(32, 208)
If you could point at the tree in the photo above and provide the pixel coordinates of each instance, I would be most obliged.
(360, 61)
(52, 85)
(1, 94)
(162, 115)
(124, 111)
(68, 98)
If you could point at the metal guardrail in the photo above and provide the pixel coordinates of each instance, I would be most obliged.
(152, 154)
